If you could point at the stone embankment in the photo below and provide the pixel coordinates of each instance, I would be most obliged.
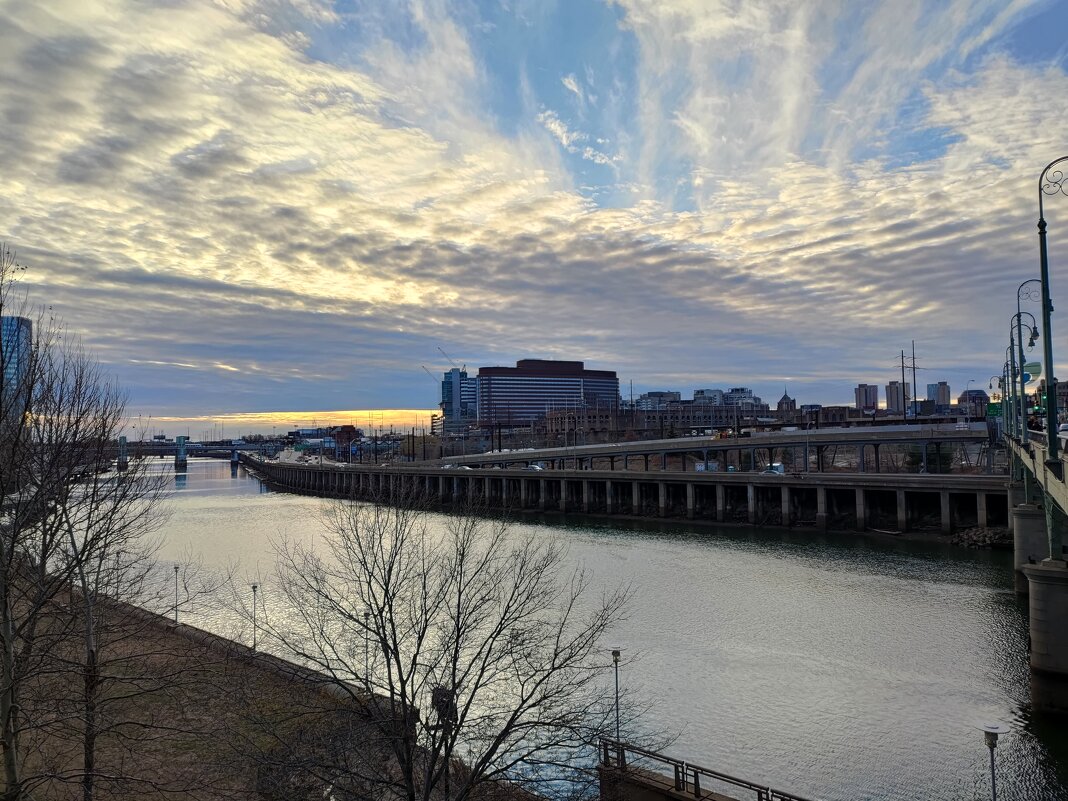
(980, 537)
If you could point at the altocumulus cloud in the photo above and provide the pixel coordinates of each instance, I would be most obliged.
(242, 207)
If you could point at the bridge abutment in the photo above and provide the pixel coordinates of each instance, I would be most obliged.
(1029, 541)
(1048, 601)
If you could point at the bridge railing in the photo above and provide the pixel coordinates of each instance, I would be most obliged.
(687, 777)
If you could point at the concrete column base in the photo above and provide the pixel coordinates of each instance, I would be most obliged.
(1048, 601)
(1030, 544)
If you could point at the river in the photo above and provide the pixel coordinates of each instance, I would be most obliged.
(831, 666)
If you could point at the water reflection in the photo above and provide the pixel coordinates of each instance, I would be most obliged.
(835, 666)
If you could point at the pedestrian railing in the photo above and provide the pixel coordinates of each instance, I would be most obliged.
(688, 778)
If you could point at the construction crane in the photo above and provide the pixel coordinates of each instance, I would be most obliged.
(429, 374)
(447, 356)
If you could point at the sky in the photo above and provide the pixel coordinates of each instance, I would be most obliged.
(288, 207)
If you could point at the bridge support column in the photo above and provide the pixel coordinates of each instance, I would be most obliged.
(562, 484)
(821, 508)
(506, 493)
(902, 512)
(635, 498)
(1029, 542)
(784, 502)
(662, 493)
(585, 496)
(1048, 602)
(721, 503)
(750, 492)
(947, 512)
(690, 501)
(861, 467)
(877, 468)
(455, 490)
(980, 509)
(609, 506)
(862, 511)
(542, 486)
(1013, 497)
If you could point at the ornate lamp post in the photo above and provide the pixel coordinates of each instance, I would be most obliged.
(1017, 335)
(1001, 390)
(1050, 182)
(1029, 295)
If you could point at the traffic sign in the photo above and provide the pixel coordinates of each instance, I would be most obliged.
(993, 410)
(1034, 368)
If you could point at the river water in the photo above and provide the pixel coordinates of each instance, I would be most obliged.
(830, 666)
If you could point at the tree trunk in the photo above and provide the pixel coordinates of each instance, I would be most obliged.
(9, 712)
(91, 681)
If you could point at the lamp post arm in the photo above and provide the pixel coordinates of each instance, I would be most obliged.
(1050, 182)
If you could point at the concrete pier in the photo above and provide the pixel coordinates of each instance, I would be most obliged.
(1029, 542)
(1048, 600)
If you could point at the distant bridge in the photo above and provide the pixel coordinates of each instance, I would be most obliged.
(897, 502)
(807, 449)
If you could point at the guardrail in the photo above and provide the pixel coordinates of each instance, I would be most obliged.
(687, 776)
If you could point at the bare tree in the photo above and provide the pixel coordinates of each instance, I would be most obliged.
(479, 653)
(70, 528)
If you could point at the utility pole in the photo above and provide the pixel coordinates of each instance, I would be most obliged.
(904, 394)
(915, 386)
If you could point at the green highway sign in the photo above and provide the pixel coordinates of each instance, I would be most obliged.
(1034, 368)
(993, 410)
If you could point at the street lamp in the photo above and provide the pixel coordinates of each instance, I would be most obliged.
(255, 590)
(1050, 182)
(990, 734)
(615, 664)
(366, 647)
(1016, 339)
(1029, 295)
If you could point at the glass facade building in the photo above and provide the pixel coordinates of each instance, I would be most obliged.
(534, 387)
(16, 339)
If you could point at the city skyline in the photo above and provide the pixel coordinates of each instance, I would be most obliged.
(248, 207)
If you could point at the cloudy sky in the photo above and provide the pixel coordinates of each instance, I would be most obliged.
(279, 205)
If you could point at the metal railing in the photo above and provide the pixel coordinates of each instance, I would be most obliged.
(687, 777)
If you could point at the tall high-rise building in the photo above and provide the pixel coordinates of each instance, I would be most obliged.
(939, 393)
(16, 341)
(867, 397)
(897, 396)
(459, 400)
(521, 394)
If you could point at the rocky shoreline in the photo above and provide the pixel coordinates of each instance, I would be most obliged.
(978, 537)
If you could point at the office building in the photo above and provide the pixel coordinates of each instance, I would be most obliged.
(866, 397)
(714, 397)
(897, 396)
(459, 400)
(524, 393)
(939, 395)
(742, 397)
(16, 342)
(656, 400)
